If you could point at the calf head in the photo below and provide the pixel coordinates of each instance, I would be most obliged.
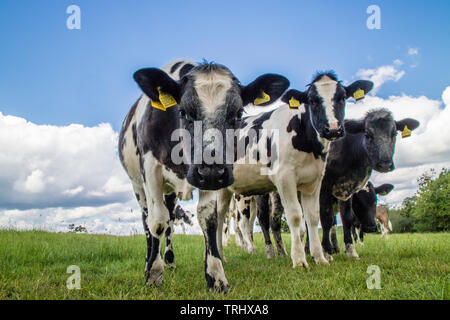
(209, 100)
(364, 204)
(325, 100)
(380, 132)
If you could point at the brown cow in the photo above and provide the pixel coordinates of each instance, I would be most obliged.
(382, 216)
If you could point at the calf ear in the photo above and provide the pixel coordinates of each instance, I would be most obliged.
(158, 86)
(358, 89)
(406, 126)
(384, 189)
(354, 126)
(294, 98)
(264, 90)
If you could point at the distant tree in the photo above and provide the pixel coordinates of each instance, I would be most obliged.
(431, 205)
(429, 209)
(77, 229)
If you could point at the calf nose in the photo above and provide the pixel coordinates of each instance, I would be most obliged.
(386, 166)
(212, 176)
(333, 132)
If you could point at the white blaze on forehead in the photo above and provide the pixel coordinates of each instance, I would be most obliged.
(212, 88)
(326, 89)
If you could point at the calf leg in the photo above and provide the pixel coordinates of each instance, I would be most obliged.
(245, 223)
(263, 213)
(207, 218)
(333, 236)
(287, 189)
(223, 205)
(361, 236)
(169, 257)
(326, 220)
(310, 203)
(140, 196)
(157, 221)
(347, 217)
(275, 223)
(354, 234)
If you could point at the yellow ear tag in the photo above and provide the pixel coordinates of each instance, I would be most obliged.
(265, 98)
(294, 103)
(406, 132)
(166, 101)
(383, 193)
(358, 94)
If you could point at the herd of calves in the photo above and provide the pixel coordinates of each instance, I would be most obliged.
(188, 131)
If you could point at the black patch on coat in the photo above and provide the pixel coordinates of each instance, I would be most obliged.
(153, 135)
(169, 257)
(160, 230)
(124, 129)
(305, 139)
(246, 212)
(175, 66)
(185, 69)
(258, 122)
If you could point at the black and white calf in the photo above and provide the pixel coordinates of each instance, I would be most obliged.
(197, 104)
(301, 139)
(244, 219)
(183, 217)
(369, 145)
(364, 206)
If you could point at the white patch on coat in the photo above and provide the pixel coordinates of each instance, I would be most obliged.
(212, 88)
(326, 89)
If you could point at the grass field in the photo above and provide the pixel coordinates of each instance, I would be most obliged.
(33, 265)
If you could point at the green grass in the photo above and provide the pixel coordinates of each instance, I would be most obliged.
(33, 266)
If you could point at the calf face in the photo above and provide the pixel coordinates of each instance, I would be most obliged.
(325, 99)
(380, 132)
(364, 204)
(210, 100)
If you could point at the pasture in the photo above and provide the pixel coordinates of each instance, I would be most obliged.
(33, 266)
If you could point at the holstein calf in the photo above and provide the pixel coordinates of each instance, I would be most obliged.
(369, 145)
(364, 206)
(297, 142)
(245, 215)
(195, 104)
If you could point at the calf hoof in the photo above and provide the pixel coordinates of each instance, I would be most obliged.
(270, 253)
(328, 256)
(154, 277)
(321, 260)
(219, 287)
(251, 250)
(282, 251)
(351, 252)
(300, 263)
(172, 265)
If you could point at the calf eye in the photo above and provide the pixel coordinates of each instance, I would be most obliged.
(182, 113)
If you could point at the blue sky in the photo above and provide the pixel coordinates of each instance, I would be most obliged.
(52, 75)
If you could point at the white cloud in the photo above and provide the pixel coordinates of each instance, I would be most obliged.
(380, 75)
(51, 166)
(398, 62)
(413, 51)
